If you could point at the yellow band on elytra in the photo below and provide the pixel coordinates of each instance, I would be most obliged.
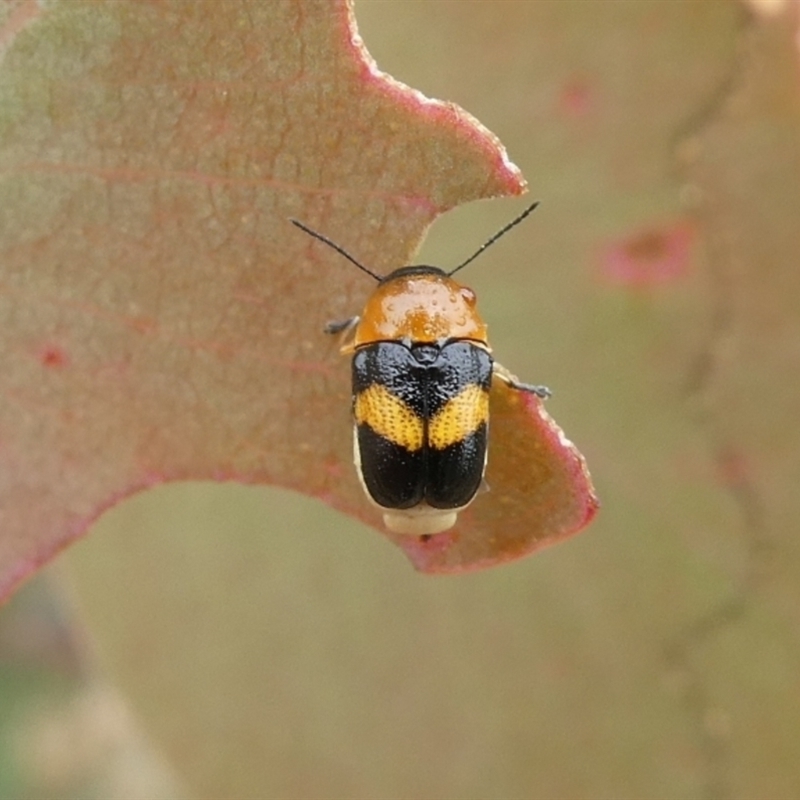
(389, 417)
(459, 417)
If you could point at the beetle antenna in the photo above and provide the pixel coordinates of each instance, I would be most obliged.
(335, 246)
(494, 238)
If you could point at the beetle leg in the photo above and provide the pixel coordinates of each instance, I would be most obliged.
(501, 372)
(345, 328)
(341, 325)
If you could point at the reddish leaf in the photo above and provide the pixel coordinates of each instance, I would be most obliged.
(161, 320)
(647, 653)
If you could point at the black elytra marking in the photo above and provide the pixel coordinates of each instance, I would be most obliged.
(425, 378)
(394, 477)
(454, 474)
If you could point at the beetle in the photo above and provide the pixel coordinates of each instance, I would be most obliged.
(422, 371)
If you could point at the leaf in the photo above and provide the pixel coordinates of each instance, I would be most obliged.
(161, 320)
(745, 653)
(655, 293)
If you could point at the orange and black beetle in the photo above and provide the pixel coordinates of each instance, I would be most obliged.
(422, 371)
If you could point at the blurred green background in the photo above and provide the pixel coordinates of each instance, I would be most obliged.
(243, 642)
